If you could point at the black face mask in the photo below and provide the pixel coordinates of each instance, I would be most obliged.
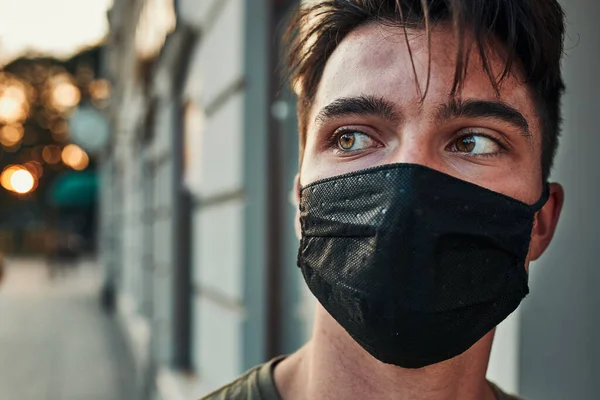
(414, 264)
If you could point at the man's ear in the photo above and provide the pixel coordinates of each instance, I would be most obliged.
(545, 222)
(296, 203)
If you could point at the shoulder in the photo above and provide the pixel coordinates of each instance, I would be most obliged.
(243, 388)
(256, 384)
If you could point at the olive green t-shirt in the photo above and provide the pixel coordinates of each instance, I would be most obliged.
(258, 384)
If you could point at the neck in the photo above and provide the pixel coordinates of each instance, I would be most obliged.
(333, 366)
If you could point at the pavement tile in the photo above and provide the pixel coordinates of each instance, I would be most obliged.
(55, 341)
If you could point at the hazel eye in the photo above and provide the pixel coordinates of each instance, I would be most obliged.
(354, 141)
(476, 144)
(346, 141)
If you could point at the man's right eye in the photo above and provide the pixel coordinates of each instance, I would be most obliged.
(351, 141)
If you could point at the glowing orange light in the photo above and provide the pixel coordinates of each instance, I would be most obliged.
(100, 89)
(11, 135)
(66, 95)
(83, 163)
(17, 179)
(6, 175)
(35, 168)
(75, 157)
(13, 104)
(10, 109)
(22, 181)
(36, 153)
(16, 92)
(51, 154)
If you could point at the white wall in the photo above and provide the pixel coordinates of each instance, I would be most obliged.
(504, 365)
(560, 350)
(218, 218)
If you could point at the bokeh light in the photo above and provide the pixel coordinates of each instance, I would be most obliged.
(36, 153)
(16, 92)
(60, 92)
(51, 154)
(35, 168)
(66, 95)
(12, 109)
(10, 135)
(18, 179)
(75, 157)
(14, 103)
(22, 181)
(6, 175)
(99, 89)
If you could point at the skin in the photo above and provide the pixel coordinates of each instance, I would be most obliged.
(373, 62)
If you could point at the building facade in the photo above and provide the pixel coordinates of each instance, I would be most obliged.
(197, 235)
(197, 228)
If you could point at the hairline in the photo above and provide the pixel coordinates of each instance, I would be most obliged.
(494, 45)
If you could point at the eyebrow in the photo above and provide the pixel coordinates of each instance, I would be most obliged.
(370, 105)
(361, 106)
(484, 109)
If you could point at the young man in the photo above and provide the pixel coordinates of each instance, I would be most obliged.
(427, 132)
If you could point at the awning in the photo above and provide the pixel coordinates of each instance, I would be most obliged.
(75, 189)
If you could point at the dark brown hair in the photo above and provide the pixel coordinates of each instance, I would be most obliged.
(531, 31)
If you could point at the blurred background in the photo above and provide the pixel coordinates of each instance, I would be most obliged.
(147, 156)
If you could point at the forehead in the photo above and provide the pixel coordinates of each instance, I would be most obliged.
(375, 60)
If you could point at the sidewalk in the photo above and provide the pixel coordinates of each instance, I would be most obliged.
(55, 341)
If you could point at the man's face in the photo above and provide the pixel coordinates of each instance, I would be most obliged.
(367, 112)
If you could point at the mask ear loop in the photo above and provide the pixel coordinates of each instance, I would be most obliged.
(543, 200)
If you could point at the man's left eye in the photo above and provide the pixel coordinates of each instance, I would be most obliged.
(475, 144)
(354, 141)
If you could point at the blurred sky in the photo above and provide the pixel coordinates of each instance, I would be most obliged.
(56, 27)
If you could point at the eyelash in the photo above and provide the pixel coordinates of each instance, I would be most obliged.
(335, 137)
(468, 132)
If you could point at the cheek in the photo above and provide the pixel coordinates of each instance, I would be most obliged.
(315, 166)
(311, 168)
(526, 175)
